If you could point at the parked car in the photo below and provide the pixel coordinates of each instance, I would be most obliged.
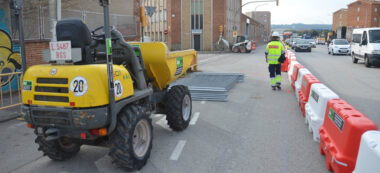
(312, 43)
(366, 46)
(339, 46)
(302, 45)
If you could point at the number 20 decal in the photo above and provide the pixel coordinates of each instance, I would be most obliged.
(118, 88)
(79, 86)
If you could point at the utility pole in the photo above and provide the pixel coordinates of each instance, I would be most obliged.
(108, 42)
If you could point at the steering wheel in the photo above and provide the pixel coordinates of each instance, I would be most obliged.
(99, 36)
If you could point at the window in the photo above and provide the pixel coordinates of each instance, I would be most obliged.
(340, 16)
(375, 10)
(340, 23)
(358, 19)
(375, 19)
(356, 38)
(197, 14)
(374, 36)
(364, 35)
(358, 9)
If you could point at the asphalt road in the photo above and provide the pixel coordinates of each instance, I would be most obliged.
(257, 130)
(355, 83)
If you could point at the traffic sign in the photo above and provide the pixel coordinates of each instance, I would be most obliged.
(235, 34)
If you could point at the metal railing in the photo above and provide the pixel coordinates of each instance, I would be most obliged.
(12, 97)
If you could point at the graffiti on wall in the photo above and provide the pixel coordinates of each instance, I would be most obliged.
(10, 58)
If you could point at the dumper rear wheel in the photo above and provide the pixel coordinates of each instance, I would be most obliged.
(59, 150)
(178, 106)
(131, 141)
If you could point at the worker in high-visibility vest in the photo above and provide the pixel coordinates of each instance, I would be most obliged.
(273, 53)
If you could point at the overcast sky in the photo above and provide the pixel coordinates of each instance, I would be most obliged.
(299, 11)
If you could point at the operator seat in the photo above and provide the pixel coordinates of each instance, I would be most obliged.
(77, 32)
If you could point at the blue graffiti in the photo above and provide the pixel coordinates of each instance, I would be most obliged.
(4, 21)
(11, 53)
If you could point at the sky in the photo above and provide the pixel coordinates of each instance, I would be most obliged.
(299, 11)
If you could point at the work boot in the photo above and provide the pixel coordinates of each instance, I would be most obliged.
(273, 88)
(278, 86)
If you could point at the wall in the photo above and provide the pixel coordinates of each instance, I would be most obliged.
(340, 18)
(185, 24)
(10, 58)
(174, 24)
(363, 14)
(219, 19)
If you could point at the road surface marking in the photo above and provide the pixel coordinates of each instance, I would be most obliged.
(178, 150)
(194, 119)
(163, 123)
(14, 126)
(203, 102)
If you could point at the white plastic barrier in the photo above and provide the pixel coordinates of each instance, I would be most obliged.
(290, 72)
(368, 160)
(315, 109)
(301, 73)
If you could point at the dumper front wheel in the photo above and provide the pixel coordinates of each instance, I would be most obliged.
(60, 149)
(178, 106)
(131, 142)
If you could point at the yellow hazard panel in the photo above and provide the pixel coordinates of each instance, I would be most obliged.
(165, 66)
(80, 86)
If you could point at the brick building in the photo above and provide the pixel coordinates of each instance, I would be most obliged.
(195, 23)
(263, 17)
(157, 23)
(359, 14)
(339, 18)
(363, 14)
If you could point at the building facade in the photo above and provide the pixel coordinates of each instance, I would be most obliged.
(263, 17)
(194, 24)
(339, 19)
(158, 22)
(363, 14)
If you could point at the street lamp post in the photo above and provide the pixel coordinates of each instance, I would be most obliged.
(254, 18)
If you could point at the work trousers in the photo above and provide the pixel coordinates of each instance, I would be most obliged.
(275, 74)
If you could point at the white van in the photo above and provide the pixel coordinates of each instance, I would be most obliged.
(366, 46)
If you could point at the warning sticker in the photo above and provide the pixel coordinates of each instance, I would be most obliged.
(118, 89)
(338, 121)
(79, 86)
(109, 46)
(179, 66)
(315, 96)
(27, 85)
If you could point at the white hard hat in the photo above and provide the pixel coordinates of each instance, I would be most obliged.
(275, 34)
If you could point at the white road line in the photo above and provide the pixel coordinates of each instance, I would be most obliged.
(14, 126)
(194, 118)
(203, 102)
(178, 150)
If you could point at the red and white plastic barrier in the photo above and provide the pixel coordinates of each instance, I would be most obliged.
(307, 81)
(315, 108)
(340, 135)
(369, 153)
(301, 73)
(291, 69)
(296, 68)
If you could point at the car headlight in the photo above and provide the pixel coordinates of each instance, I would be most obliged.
(375, 52)
(336, 47)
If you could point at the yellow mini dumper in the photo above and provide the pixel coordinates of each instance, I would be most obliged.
(104, 93)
